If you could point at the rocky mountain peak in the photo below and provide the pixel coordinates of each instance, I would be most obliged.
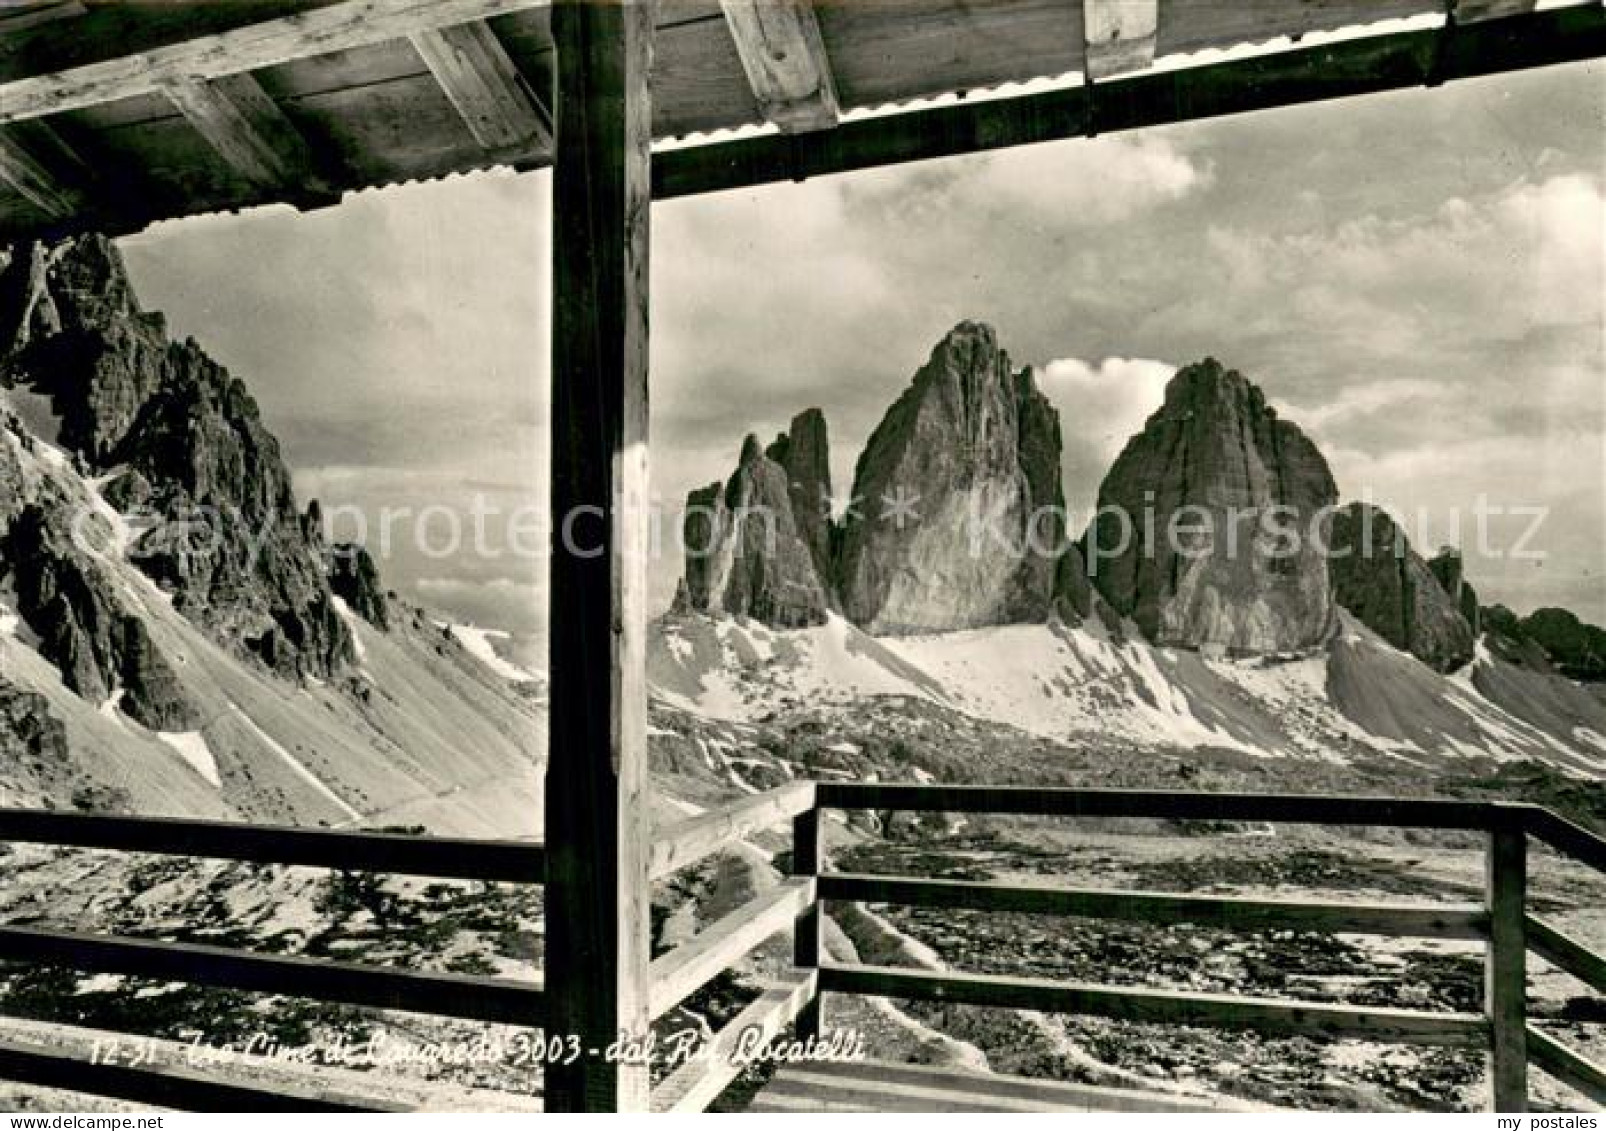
(1186, 538)
(948, 531)
(958, 515)
(1387, 586)
(803, 451)
(176, 443)
(746, 553)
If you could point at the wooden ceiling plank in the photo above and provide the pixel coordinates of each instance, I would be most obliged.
(338, 27)
(1476, 11)
(14, 18)
(245, 126)
(786, 62)
(1120, 35)
(24, 169)
(1343, 69)
(484, 85)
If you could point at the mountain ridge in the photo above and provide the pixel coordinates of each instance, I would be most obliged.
(175, 634)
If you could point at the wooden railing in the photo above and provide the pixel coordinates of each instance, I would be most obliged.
(795, 1000)
(1501, 921)
(462, 996)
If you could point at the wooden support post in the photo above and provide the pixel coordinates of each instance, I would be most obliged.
(1505, 969)
(808, 928)
(597, 894)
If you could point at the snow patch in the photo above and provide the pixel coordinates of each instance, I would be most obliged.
(297, 766)
(351, 620)
(192, 747)
(99, 984)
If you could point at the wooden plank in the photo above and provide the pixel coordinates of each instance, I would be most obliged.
(316, 31)
(14, 18)
(692, 965)
(1161, 805)
(248, 130)
(1505, 979)
(1200, 25)
(1458, 921)
(890, 52)
(698, 1082)
(1341, 69)
(28, 172)
(876, 1085)
(1266, 1015)
(1566, 953)
(598, 918)
(1056, 1093)
(1564, 836)
(183, 1089)
(442, 995)
(808, 930)
(485, 87)
(1120, 35)
(685, 844)
(492, 861)
(1476, 11)
(1577, 1072)
(698, 82)
(786, 62)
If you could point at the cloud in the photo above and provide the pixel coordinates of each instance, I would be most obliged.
(511, 605)
(1082, 183)
(1529, 255)
(1539, 540)
(1101, 407)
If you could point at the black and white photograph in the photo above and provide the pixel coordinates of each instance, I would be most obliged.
(802, 556)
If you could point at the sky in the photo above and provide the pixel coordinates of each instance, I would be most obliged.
(1416, 279)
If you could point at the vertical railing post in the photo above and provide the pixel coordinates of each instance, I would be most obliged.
(1505, 966)
(598, 921)
(807, 858)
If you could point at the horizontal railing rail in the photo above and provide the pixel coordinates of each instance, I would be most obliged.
(167, 1085)
(1577, 1072)
(1399, 920)
(458, 996)
(1564, 836)
(492, 861)
(689, 967)
(1127, 1003)
(1022, 800)
(691, 841)
(1566, 953)
(465, 996)
(1501, 922)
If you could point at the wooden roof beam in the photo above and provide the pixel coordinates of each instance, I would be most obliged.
(17, 17)
(1119, 35)
(485, 87)
(1476, 11)
(1343, 69)
(40, 173)
(787, 65)
(249, 131)
(341, 26)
